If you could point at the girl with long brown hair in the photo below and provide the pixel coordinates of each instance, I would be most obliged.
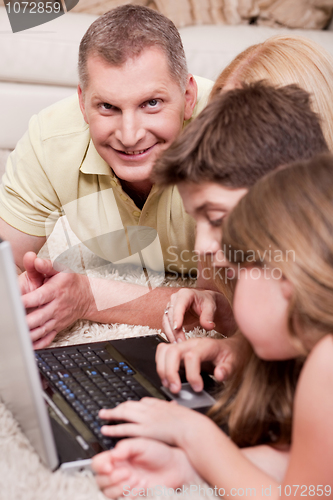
(280, 250)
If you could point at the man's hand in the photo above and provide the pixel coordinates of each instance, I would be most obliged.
(31, 279)
(223, 354)
(55, 300)
(200, 304)
(189, 307)
(59, 300)
(141, 463)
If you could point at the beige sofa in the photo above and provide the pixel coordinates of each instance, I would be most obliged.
(39, 66)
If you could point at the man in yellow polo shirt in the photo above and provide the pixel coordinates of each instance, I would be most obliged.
(90, 157)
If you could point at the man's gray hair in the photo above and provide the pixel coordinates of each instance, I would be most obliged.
(125, 32)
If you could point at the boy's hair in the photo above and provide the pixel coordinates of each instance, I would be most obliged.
(125, 32)
(242, 135)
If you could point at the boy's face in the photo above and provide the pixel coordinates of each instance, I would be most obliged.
(208, 203)
(134, 112)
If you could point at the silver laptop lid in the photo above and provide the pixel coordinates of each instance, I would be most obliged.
(20, 385)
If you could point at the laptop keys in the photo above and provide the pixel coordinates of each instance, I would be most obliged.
(90, 379)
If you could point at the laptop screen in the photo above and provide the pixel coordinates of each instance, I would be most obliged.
(20, 385)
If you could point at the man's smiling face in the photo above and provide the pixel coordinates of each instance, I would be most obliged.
(134, 112)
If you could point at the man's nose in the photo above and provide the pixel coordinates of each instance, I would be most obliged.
(130, 129)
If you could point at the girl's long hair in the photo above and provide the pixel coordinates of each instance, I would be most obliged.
(284, 222)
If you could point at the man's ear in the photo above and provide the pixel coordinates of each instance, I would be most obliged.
(191, 94)
(81, 102)
(287, 288)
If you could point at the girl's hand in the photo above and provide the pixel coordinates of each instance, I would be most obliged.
(188, 306)
(222, 353)
(141, 463)
(152, 418)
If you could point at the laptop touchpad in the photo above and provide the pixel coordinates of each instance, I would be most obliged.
(189, 398)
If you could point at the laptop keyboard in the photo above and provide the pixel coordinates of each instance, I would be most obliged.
(90, 379)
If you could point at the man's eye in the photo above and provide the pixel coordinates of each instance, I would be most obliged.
(216, 222)
(151, 104)
(106, 105)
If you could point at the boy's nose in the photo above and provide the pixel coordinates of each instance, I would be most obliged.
(205, 243)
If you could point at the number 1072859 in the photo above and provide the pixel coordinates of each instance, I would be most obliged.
(291, 490)
(33, 7)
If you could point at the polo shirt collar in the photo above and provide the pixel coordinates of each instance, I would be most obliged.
(93, 163)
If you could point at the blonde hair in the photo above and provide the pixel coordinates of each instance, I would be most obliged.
(289, 211)
(283, 60)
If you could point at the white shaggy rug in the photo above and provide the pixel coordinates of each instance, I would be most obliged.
(22, 475)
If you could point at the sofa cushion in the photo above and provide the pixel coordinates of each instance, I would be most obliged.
(39, 66)
(19, 101)
(304, 14)
(210, 48)
(45, 54)
(48, 54)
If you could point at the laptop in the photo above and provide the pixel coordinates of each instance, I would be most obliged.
(55, 394)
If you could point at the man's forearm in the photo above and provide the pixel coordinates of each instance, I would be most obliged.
(20, 243)
(65, 297)
(119, 302)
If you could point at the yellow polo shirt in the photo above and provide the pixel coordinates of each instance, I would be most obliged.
(56, 169)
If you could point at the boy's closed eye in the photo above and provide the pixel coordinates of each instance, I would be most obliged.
(216, 222)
